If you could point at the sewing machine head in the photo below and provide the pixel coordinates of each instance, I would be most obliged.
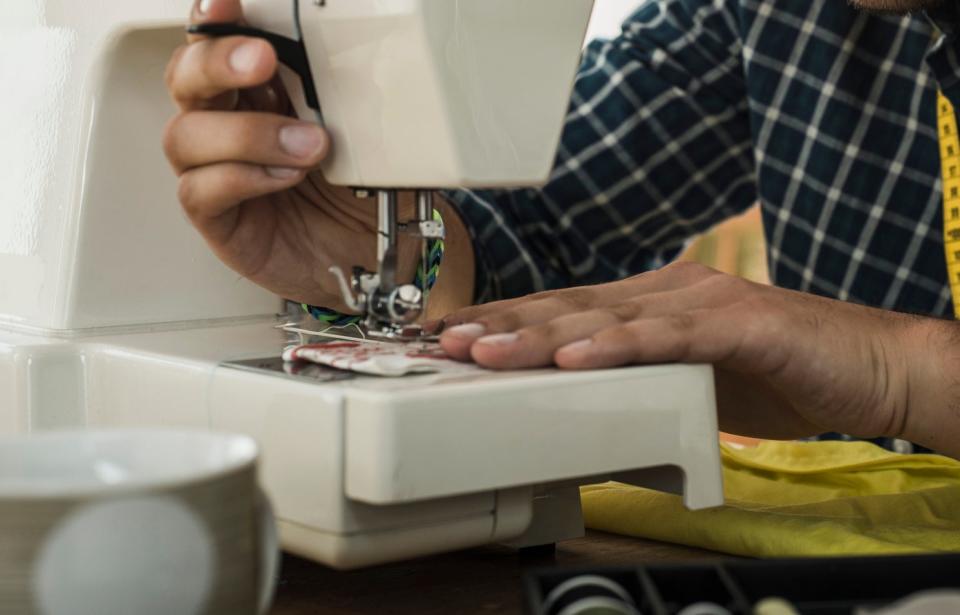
(450, 80)
(417, 94)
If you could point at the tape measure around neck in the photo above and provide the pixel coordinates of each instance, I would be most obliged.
(950, 167)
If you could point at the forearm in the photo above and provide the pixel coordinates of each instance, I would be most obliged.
(933, 409)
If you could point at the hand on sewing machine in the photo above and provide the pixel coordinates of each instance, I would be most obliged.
(248, 178)
(788, 364)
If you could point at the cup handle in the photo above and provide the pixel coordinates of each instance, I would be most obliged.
(269, 553)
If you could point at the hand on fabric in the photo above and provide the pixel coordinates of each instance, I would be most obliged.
(248, 178)
(788, 364)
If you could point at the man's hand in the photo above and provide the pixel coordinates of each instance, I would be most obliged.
(788, 364)
(248, 178)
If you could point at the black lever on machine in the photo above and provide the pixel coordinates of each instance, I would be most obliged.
(290, 52)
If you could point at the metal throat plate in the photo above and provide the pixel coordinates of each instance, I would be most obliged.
(300, 371)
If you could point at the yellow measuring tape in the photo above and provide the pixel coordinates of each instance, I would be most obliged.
(950, 164)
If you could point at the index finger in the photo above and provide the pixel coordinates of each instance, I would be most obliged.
(196, 80)
(214, 11)
(202, 73)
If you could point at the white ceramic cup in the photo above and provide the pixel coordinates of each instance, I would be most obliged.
(145, 522)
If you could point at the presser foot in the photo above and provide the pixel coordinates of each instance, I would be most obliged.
(389, 315)
(399, 333)
(389, 308)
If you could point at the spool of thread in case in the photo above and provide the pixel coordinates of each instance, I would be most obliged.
(589, 594)
(705, 608)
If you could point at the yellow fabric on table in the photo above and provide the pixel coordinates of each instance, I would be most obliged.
(801, 499)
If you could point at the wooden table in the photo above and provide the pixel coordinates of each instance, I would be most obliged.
(486, 580)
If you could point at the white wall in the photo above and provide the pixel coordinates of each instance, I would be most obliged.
(608, 15)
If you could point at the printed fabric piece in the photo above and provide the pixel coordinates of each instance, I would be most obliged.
(379, 358)
(799, 499)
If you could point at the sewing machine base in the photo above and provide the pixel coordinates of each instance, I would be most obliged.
(365, 470)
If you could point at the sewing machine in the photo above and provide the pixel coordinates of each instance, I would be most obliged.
(113, 312)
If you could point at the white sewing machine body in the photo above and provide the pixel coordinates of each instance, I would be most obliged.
(113, 312)
(464, 117)
(364, 470)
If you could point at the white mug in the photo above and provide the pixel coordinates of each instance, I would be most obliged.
(119, 522)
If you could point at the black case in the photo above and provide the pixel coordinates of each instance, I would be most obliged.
(814, 586)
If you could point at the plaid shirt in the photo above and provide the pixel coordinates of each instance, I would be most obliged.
(824, 114)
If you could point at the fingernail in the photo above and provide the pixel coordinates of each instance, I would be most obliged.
(203, 6)
(244, 58)
(470, 331)
(282, 172)
(301, 140)
(577, 347)
(503, 339)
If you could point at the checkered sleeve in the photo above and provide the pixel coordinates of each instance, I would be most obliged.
(656, 148)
